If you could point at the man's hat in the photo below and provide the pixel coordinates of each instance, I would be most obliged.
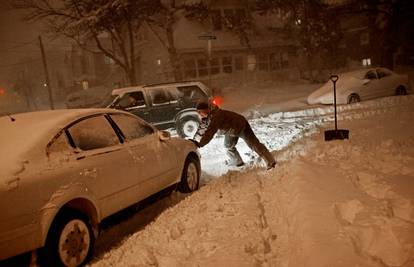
(203, 105)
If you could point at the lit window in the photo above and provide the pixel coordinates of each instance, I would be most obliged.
(251, 62)
(85, 85)
(366, 62)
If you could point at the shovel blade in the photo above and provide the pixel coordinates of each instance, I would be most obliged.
(339, 134)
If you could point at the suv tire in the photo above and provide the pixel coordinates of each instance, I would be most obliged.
(187, 126)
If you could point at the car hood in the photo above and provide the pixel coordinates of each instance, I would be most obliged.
(325, 92)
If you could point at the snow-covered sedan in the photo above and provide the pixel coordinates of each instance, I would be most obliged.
(359, 85)
(63, 171)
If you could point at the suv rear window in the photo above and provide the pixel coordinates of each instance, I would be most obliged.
(161, 96)
(192, 92)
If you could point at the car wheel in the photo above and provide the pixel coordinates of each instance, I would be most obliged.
(70, 240)
(354, 98)
(190, 178)
(400, 90)
(187, 126)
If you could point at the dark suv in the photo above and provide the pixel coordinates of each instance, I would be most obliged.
(164, 105)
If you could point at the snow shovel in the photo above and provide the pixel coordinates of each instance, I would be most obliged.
(337, 134)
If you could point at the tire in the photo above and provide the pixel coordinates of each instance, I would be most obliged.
(190, 179)
(70, 240)
(187, 126)
(354, 98)
(400, 90)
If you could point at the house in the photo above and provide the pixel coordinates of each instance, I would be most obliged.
(210, 52)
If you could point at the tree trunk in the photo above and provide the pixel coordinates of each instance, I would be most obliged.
(131, 76)
(132, 71)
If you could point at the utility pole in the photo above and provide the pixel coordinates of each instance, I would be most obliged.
(49, 89)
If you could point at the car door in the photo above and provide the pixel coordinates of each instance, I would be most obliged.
(136, 103)
(386, 83)
(154, 159)
(369, 87)
(104, 162)
(164, 107)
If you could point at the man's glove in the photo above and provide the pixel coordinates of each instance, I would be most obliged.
(195, 142)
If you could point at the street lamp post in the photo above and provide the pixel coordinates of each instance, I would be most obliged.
(208, 36)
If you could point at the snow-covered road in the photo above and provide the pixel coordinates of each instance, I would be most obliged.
(339, 203)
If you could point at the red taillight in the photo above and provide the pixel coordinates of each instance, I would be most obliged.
(2, 91)
(217, 101)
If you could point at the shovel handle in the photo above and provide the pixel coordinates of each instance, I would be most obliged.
(334, 78)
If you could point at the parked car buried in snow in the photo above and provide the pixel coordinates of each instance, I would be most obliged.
(63, 171)
(164, 105)
(359, 85)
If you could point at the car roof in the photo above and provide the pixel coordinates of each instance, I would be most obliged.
(50, 118)
(124, 90)
(24, 131)
(359, 73)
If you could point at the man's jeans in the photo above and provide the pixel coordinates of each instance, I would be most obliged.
(230, 142)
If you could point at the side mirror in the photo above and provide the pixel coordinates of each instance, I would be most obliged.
(365, 81)
(164, 135)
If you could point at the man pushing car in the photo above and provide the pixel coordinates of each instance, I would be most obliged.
(233, 126)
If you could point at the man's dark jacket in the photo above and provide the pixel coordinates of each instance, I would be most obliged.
(227, 122)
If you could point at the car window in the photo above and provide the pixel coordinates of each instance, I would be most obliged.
(382, 73)
(192, 92)
(131, 127)
(93, 133)
(159, 96)
(132, 100)
(371, 75)
(59, 144)
(172, 94)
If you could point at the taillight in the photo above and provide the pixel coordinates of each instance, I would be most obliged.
(217, 101)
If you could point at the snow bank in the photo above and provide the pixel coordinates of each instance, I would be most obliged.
(338, 203)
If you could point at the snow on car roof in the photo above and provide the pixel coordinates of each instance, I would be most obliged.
(35, 129)
(121, 91)
(124, 90)
(359, 73)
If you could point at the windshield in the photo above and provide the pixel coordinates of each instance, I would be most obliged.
(110, 101)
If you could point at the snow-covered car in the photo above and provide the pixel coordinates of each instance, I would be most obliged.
(63, 171)
(359, 85)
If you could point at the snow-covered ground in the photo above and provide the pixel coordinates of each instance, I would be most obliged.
(337, 203)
